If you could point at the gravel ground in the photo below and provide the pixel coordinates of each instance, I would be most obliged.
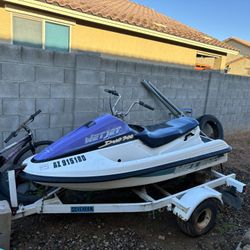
(139, 231)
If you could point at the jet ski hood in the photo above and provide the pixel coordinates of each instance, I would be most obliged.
(92, 134)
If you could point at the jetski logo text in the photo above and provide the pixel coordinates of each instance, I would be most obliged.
(118, 140)
(103, 135)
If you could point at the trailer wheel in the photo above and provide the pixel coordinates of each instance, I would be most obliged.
(202, 219)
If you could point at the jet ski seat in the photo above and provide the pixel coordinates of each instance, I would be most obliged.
(160, 134)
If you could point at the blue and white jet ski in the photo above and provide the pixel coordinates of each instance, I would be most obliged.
(107, 153)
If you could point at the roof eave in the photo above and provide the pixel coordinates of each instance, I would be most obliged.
(237, 41)
(95, 19)
(238, 59)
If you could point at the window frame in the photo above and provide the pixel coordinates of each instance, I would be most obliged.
(206, 54)
(24, 17)
(44, 32)
(43, 20)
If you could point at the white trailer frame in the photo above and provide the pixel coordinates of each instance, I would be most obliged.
(182, 204)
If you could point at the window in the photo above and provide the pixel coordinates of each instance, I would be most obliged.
(41, 34)
(27, 32)
(207, 61)
(204, 62)
(56, 37)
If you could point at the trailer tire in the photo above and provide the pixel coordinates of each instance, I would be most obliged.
(202, 220)
(211, 126)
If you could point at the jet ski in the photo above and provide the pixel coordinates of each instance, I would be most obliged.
(108, 153)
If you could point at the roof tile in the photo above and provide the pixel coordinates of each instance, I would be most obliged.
(126, 11)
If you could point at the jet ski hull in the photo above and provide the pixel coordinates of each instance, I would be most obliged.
(140, 180)
(129, 164)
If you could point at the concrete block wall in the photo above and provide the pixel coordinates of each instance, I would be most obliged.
(69, 89)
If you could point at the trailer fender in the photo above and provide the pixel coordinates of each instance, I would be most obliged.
(185, 206)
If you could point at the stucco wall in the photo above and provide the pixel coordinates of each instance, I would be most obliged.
(5, 25)
(68, 87)
(110, 42)
(240, 67)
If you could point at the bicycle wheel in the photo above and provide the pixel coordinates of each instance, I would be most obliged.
(27, 191)
(26, 151)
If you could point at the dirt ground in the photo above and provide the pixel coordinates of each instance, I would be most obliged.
(139, 231)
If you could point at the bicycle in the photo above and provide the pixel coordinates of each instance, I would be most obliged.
(13, 155)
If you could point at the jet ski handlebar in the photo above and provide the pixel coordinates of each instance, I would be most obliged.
(121, 114)
(23, 126)
(146, 105)
(124, 114)
(113, 92)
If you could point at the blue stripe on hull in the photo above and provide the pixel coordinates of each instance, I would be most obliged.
(150, 171)
(190, 166)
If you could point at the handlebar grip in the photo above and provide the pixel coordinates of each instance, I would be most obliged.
(146, 105)
(35, 114)
(113, 92)
(13, 134)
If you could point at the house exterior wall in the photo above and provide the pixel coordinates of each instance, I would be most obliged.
(114, 43)
(231, 58)
(5, 25)
(219, 63)
(244, 50)
(86, 37)
(69, 89)
(240, 67)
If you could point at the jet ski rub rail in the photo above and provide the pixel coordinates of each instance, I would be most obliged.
(176, 203)
(154, 169)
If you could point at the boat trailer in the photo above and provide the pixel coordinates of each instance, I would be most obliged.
(183, 204)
